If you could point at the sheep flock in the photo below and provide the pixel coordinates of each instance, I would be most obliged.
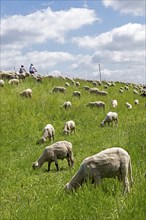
(109, 163)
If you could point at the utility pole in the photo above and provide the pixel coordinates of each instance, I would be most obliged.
(99, 71)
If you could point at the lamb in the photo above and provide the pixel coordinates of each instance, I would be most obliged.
(98, 104)
(59, 89)
(114, 103)
(77, 94)
(136, 101)
(109, 163)
(58, 150)
(48, 132)
(2, 82)
(110, 118)
(128, 105)
(27, 93)
(66, 105)
(69, 127)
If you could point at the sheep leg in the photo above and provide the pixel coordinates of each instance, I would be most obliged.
(124, 175)
(57, 167)
(96, 178)
(56, 164)
(68, 160)
(49, 163)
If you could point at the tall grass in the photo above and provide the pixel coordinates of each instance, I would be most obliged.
(35, 194)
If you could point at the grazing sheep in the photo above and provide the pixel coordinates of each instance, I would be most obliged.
(126, 88)
(128, 105)
(77, 83)
(110, 118)
(77, 94)
(114, 103)
(86, 88)
(104, 93)
(93, 90)
(121, 90)
(66, 84)
(14, 81)
(135, 92)
(2, 83)
(69, 127)
(58, 150)
(27, 93)
(136, 101)
(94, 83)
(48, 132)
(98, 104)
(59, 89)
(109, 163)
(66, 105)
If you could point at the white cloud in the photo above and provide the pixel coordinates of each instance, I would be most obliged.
(40, 26)
(43, 60)
(137, 8)
(128, 36)
(121, 53)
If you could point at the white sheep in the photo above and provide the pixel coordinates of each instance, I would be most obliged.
(114, 103)
(121, 90)
(86, 88)
(135, 92)
(27, 93)
(103, 93)
(58, 89)
(66, 105)
(128, 105)
(69, 127)
(48, 132)
(110, 118)
(58, 150)
(2, 82)
(136, 101)
(109, 163)
(77, 83)
(93, 90)
(77, 94)
(14, 81)
(66, 84)
(98, 104)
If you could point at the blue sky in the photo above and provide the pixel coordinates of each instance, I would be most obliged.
(71, 38)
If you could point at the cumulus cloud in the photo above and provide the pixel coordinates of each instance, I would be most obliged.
(40, 26)
(128, 36)
(43, 59)
(120, 51)
(137, 8)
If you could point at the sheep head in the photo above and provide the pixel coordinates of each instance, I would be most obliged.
(35, 165)
(65, 131)
(41, 141)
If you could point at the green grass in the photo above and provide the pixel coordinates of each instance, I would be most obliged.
(35, 194)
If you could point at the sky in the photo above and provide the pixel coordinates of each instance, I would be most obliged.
(75, 37)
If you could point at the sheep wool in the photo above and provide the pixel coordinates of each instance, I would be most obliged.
(59, 150)
(109, 163)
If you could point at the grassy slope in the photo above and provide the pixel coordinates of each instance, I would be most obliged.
(28, 194)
